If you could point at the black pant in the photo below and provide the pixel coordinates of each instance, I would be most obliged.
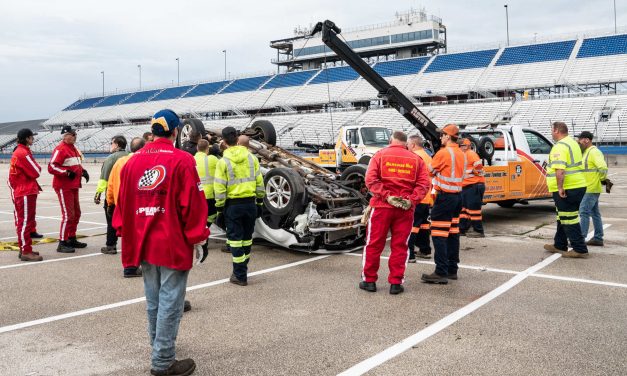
(568, 227)
(445, 232)
(420, 231)
(472, 201)
(239, 217)
(112, 239)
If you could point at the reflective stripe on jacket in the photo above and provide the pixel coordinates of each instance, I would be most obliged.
(237, 175)
(447, 169)
(565, 155)
(106, 168)
(594, 169)
(66, 157)
(23, 172)
(474, 169)
(206, 167)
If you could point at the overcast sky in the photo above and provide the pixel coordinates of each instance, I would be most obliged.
(52, 52)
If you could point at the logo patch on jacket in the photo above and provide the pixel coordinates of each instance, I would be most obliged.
(151, 178)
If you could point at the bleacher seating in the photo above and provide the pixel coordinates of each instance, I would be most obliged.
(459, 61)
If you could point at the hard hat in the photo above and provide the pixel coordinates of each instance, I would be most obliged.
(465, 142)
(451, 130)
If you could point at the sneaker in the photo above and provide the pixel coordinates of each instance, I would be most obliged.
(594, 242)
(573, 254)
(368, 286)
(178, 368)
(551, 248)
(187, 306)
(475, 234)
(65, 247)
(434, 278)
(109, 250)
(36, 235)
(30, 257)
(411, 260)
(236, 281)
(396, 289)
(452, 276)
(423, 255)
(132, 272)
(76, 244)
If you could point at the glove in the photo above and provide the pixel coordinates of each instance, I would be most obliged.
(97, 198)
(110, 210)
(259, 211)
(405, 204)
(395, 201)
(85, 175)
(608, 185)
(202, 251)
(70, 174)
(220, 220)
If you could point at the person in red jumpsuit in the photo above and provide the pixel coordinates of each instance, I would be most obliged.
(398, 180)
(23, 174)
(161, 216)
(66, 164)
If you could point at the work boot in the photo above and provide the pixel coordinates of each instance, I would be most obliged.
(19, 255)
(475, 234)
(132, 272)
(551, 248)
(423, 255)
(368, 286)
(31, 257)
(36, 235)
(396, 289)
(65, 247)
(452, 276)
(225, 248)
(594, 242)
(573, 254)
(76, 244)
(187, 306)
(434, 278)
(236, 281)
(411, 260)
(109, 250)
(178, 368)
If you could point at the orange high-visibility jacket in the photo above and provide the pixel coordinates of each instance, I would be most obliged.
(474, 169)
(447, 169)
(426, 158)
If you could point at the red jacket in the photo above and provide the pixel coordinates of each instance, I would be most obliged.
(161, 211)
(66, 157)
(23, 172)
(396, 171)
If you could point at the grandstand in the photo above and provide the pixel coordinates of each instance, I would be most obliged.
(577, 79)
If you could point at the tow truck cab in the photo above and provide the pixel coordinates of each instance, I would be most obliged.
(515, 159)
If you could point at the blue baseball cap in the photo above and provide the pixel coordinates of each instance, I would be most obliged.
(164, 122)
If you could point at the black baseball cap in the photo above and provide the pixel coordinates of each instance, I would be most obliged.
(229, 134)
(586, 134)
(25, 133)
(68, 129)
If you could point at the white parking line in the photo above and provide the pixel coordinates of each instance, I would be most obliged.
(45, 320)
(57, 232)
(409, 342)
(23, 264)
(591, 233)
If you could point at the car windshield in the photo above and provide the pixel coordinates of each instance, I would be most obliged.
(375, 136)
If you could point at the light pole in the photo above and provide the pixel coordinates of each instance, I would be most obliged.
(507, 22)
(102, 82)
(139, 66)
(224, 64)
(178, 72)
(615, 29)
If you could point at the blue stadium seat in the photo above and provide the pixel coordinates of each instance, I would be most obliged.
(612, 45)
(464, 60)
(87, 103)
(536, 53)
(401, 67)
(208, 88)
(73, 105)
(289, 79)
(172, 93)
(329, 75)
(112, 100)
(142, 96)
(245, 84)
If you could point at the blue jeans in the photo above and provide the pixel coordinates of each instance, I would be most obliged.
(165, 295)
(590, 208)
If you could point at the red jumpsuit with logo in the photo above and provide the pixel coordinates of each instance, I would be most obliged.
(66, 157)
(393, 171)
(162, 210)
(23, 174)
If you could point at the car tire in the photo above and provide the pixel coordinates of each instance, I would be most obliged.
(188, 126)
(264, 131)
(285, 192)
(486, 148)
(356, 172)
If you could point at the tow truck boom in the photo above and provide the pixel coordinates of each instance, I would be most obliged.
(390, 93)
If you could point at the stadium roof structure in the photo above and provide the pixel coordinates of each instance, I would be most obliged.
(14, 126)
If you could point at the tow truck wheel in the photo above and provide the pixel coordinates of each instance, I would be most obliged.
(474, 145)
(355, 175)
(285, 192)
(264, 131)
(486, 148)
(190, 125)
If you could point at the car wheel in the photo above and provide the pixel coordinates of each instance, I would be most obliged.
(264, 131)
(486, 148)
(355, 177)
(285, 192)
(190, 125)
